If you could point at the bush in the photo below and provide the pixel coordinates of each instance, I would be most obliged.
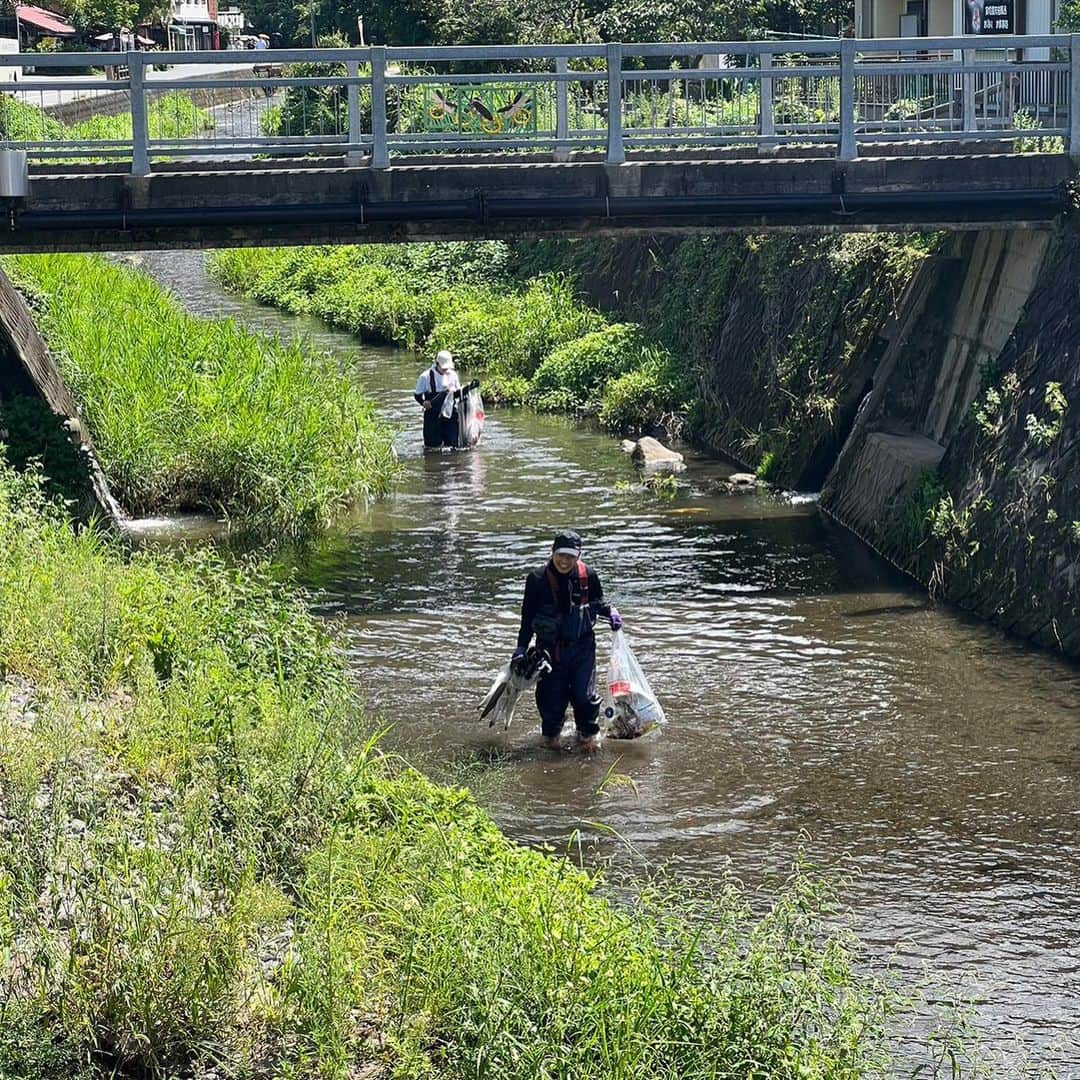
(575, 373)
(644, 397)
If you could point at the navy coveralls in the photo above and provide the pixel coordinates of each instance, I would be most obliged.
(554, 611)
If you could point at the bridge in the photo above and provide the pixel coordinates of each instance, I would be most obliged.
(393, 144)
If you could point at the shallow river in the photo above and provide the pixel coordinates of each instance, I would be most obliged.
(815, 698)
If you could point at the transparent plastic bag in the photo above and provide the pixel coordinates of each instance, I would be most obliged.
(630, 706)
(473, 416)
(511, 682)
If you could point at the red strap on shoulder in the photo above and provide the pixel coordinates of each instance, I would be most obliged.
(583, 580)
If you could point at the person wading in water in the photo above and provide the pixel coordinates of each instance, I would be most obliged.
(439, 379)
(562, 601)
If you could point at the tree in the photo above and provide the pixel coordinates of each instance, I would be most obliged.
(681, 20)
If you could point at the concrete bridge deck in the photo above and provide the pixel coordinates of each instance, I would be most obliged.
(303, 202)
(380, 144)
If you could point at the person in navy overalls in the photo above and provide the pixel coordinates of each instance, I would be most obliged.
(562, 601)
(431, 389)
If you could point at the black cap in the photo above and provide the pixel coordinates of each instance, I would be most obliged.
(567, 542)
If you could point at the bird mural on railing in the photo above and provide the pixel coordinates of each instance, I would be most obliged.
(443, 109)
(517, 112)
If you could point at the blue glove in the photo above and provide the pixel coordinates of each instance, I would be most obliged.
(616, 619)
(518, 654)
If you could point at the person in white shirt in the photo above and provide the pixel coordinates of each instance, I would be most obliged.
(435, 394)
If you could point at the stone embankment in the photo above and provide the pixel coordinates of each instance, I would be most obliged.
(962, 466)
(930, 387)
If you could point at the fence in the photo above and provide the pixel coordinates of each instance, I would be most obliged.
(376, 102)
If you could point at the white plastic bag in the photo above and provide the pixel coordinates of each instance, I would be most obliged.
(473, 416)
(630, 706)
(512, 681)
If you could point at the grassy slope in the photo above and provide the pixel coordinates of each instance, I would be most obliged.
(204, 414)
(534, 344)
(204, 861)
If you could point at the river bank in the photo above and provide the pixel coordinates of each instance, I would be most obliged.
(533, 342)
(208, 866)
(200, 414)
(818, 701)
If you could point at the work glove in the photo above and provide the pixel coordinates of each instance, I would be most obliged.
(616, 619)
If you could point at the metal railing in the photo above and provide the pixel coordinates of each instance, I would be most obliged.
(370, 104)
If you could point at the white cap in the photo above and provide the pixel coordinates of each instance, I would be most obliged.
(444, 361)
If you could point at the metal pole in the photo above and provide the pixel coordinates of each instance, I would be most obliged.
(967, 81)
(140, 136)
(380, 155)
(562, 120)
(768, 115)
(615, 153)
(849, 148)
(352, 153)
(1074, 95)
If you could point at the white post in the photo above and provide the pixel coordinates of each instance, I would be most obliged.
(1074, 95)
(849, 148)
(615, 153)
(768, 119)
(380, 155)
(967, 81)
(562, 120)
(352, 151)
(140, 136)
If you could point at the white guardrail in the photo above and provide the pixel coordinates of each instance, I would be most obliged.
(371, 103)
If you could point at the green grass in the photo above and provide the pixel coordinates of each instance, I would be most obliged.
(205, 862)
(191, 413)
(533, 344)
(171, 116)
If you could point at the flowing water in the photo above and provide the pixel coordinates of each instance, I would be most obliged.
(816, 699)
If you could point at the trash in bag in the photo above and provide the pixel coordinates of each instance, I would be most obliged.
(630, 706)
(472, 415)
(516, 677)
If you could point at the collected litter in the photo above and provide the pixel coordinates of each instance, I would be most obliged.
(630, 706)
(514, 679)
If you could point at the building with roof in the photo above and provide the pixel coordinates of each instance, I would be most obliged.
(947, 18)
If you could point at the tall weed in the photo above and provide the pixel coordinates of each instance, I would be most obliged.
(202, 414)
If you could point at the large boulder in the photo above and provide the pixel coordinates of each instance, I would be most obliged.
(654, 457)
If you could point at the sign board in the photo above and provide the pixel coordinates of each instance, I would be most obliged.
(990, 17)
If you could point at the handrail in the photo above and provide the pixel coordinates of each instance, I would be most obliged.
(841, 90)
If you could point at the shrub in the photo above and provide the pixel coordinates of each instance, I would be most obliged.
(573, 375)
(646, 396)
